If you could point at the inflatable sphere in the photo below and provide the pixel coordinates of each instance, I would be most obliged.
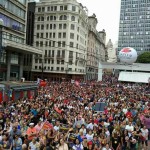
(128, 55)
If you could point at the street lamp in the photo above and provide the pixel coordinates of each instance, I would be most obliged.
(1, 37)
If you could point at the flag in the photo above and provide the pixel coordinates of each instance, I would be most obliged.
(47, 125)
(77, 83)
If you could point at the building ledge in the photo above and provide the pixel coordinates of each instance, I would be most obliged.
(14, 46)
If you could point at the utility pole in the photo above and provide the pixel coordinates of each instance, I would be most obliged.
(1, 40)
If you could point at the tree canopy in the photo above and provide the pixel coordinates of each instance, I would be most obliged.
(144, 58)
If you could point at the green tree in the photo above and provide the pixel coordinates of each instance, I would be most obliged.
(144, 58)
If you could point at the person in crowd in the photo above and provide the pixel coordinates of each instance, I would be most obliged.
(63, 116)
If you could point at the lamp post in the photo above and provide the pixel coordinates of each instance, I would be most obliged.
(1, 41)
(1, 37)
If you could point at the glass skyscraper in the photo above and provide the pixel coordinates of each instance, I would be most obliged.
(134, 28)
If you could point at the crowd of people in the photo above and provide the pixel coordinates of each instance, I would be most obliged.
(64, 116)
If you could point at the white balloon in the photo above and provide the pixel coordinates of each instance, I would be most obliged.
(128, 55)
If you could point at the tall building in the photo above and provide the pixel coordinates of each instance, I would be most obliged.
(95, 48)
(61, 31)
(134, 29)
(13, 42)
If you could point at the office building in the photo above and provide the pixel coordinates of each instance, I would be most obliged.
(61, 30)
(13, 42)
(134, 29)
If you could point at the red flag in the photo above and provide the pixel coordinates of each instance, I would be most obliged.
(47, 125)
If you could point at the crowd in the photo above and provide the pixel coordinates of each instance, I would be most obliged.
(63, 116)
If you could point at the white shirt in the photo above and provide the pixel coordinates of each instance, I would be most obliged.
(75, 147)
(34, 146)
(89, 137)
(129, 128)
(91, 125)
(145, 133)
(56, 128)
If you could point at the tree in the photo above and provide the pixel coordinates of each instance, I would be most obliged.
(144, 58)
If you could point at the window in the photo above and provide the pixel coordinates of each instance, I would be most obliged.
(50, 35)
(41, 35)
(38, 27)
(62, 68)
(65, 7)
(65, 17)
(64, 26)
(51, 26)
(42, 18)
(73, 8)
(58, 62)
(57, 68)
(48, 18)
(47, 26)
(63, 53)
(39, 9)
(51, 17)
(64, 34)
(72, 18)
(52, 61)
(60, 26)
(35, 67)
(72, 26)
(61, 7)
(37, 35)
(53, 53)
(59, 35)
(54, 26)
(55, 8)
(52, 68)
(51, 8)
(59, 44)
(42, 27)
(71, 35)
(53, 35)
(63, 44)
(43, 9)
(39, 19)
(14, 59)
(71, 44)
(62, 62)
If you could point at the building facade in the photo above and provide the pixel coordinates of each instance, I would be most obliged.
(134, 29)
(95, 48)
(61, 31)
(13, 41)
(111, 50)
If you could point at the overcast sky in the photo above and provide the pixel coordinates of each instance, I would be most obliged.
(107, 12)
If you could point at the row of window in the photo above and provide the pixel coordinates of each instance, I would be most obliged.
(8, 22)
(53, 18)
(60, 26)
(5, 2)
(58, 69)
(14, 38)
(55, 8)
(13, 8)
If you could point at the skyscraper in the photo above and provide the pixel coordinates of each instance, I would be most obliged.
(134, 28)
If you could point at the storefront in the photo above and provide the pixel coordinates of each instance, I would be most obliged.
(17, 90)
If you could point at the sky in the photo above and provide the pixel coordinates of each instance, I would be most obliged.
(107, 13)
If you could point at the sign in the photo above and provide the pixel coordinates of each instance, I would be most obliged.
(99, 106)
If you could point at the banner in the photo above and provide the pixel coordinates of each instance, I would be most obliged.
(47, 125)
